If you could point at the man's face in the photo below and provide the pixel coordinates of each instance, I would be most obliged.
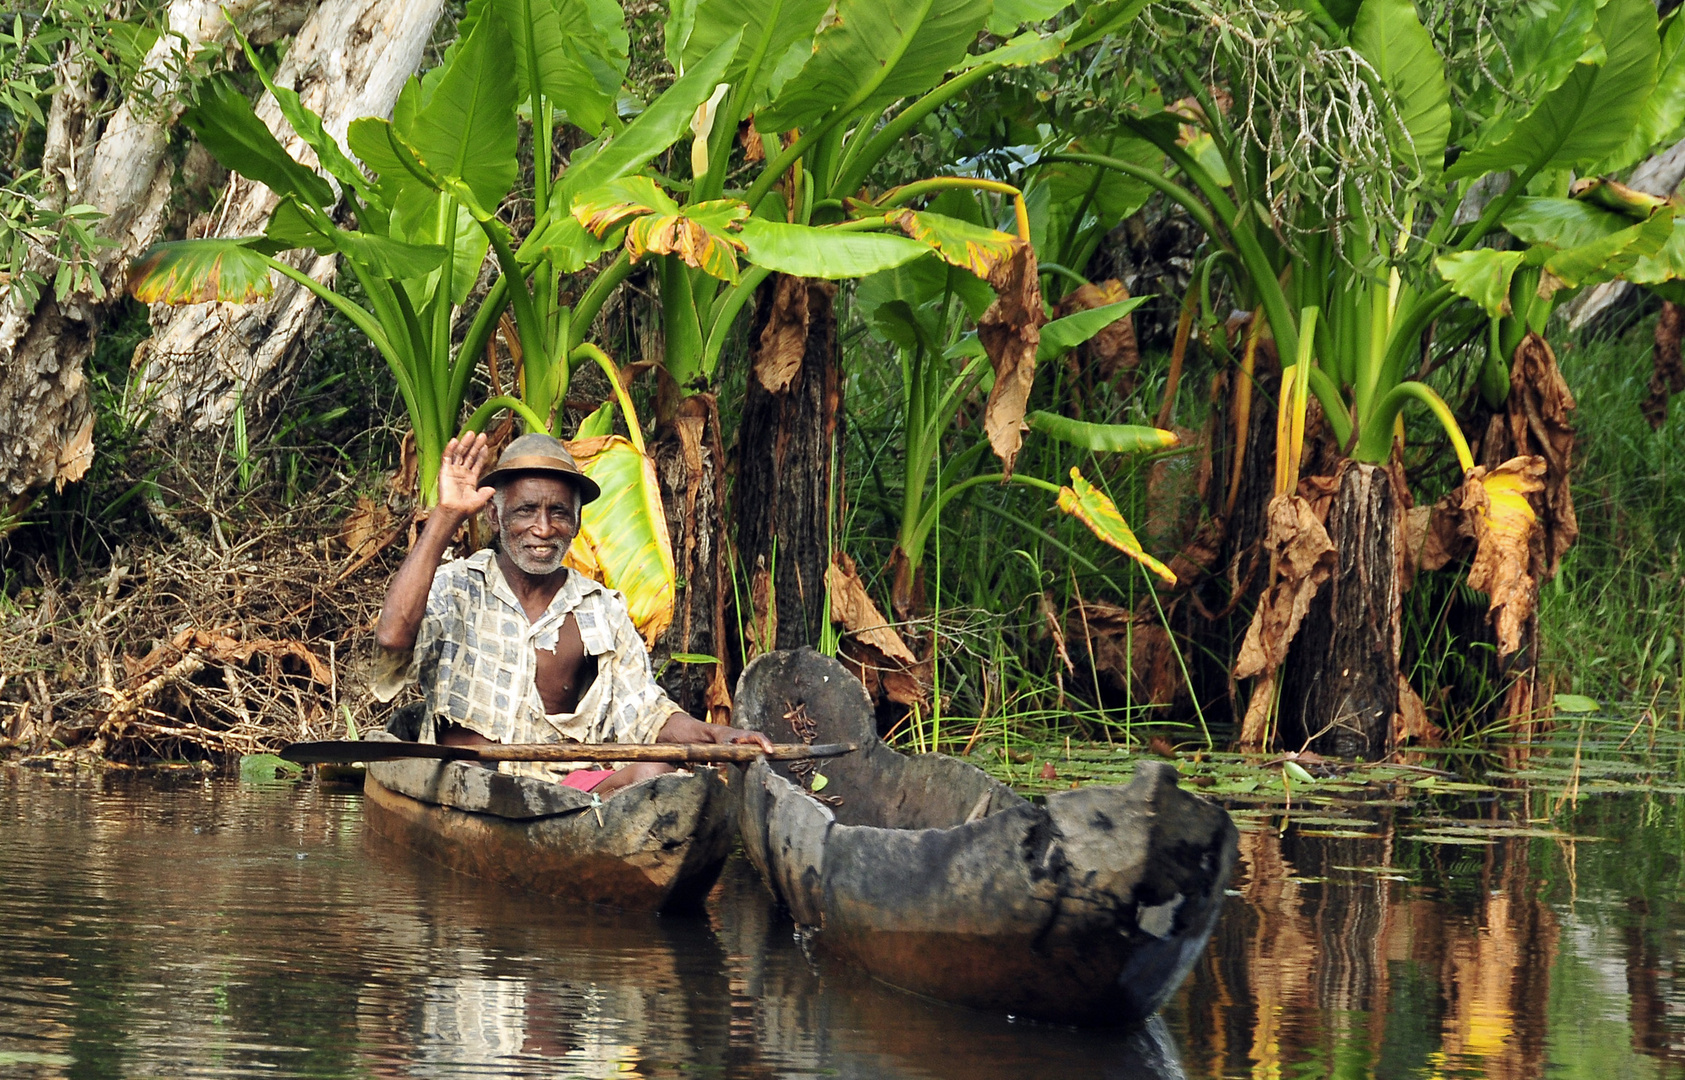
(536, 518)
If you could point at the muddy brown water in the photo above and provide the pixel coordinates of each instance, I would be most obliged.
(186, 927)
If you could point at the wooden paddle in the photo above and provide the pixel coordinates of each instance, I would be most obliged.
(335, 752)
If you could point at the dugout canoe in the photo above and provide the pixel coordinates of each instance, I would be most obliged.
(658, 845)
(1086, 907)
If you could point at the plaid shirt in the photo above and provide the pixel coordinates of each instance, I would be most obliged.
(474, 657)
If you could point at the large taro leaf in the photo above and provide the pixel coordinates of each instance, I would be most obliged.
(466, 129)
(1482, 275)
(874, 52)
(1101, 438)
(623, 539)
(1091, 506)
(1103, 195)
(1393, 39)
(1009, 15)
(224, 122)
(561, 52)
(423, 216)
(199, 271)
(1664, 109)
(655, 130)
(1592, 113)
(807, 251)
(769, 29)
(564, 242)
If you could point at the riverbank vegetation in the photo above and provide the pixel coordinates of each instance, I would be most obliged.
(1265, 374)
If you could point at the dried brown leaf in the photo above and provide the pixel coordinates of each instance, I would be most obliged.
(784, 338)
(1668, 375)
(1113, 349)
(1011, 332)
(1303, 558)
(853, 609)
(1497, 502)
(1539, 403)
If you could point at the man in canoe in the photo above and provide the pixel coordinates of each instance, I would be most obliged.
(510, 646)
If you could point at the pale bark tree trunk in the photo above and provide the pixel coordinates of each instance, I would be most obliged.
(349, 60)
(126, 176)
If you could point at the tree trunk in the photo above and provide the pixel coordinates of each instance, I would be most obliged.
(1342, 679)
(690, 467)
(127, 177)
(785, 443)
(349, 60)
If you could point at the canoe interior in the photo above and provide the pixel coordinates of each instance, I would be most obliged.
(1089, 906)
(659, 845)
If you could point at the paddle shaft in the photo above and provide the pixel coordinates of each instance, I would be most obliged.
(346, 752)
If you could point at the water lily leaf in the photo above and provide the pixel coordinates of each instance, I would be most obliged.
(820, 780)
(623, 540)
(1297, 772)
(266, 768)
(199, 271)
(1093, 508)
(1576, 703)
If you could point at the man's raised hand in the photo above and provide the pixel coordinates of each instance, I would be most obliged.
(459, 476)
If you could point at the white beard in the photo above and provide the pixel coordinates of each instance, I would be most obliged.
(530, 564)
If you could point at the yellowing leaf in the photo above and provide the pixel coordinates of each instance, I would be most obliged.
(623, 539)
(603, 208)
(198, 271)
(1089, 505)
(1503, 531)
(960, 243)
(704, 235)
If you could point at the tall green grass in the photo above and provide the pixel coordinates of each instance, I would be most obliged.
(1612, 624)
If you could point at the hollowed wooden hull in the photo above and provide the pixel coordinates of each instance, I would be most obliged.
(1087, 908)
(659, 845)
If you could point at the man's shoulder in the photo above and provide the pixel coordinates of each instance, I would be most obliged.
(469, 573)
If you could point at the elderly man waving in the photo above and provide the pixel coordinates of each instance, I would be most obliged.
(509, 645)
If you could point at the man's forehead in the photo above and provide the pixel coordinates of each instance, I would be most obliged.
(538, 489)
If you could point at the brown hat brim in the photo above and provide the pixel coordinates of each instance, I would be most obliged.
(542, 465)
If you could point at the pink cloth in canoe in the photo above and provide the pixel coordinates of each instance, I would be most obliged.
(586, 779)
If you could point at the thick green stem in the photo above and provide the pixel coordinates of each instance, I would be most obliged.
(590, 352)
(853, 174)
(585, 312)
(484, 413)
(1374, 445)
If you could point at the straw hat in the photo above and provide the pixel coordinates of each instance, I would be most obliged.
(539, 453)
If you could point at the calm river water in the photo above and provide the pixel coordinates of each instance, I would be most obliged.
(191, 927)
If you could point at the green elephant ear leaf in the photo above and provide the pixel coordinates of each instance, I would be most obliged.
(1102, 438)
(806, 251)
(224, 122)
(874, 52)
(199, 271)
(1591, 113)
(1482, 275)
(1392, 38)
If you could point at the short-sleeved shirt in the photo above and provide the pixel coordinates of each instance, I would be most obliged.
(476, 651)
